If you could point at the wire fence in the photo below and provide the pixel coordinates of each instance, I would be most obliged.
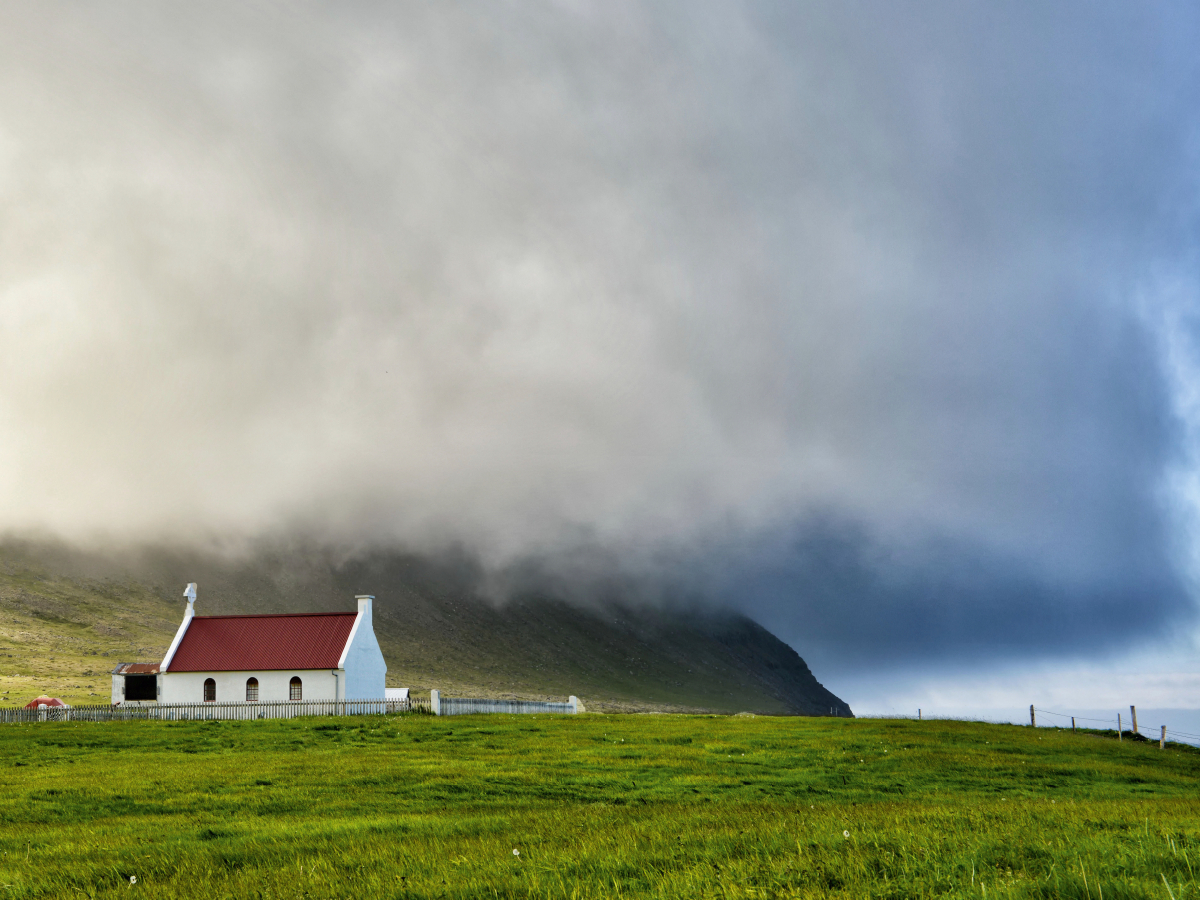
(183, 712)
(1160, 733)
(1153, 733)
(239, 711)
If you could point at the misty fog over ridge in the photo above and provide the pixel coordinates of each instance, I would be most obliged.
(876, 323)
(60, 606)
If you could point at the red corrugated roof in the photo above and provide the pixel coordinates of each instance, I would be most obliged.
(257, 643)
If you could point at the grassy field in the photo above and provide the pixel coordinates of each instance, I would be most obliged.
(593, 806)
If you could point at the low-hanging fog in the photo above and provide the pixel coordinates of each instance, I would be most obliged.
(874, 320)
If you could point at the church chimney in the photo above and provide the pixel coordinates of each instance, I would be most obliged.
(364, 607)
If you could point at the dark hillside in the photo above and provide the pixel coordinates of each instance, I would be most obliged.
(60, 609)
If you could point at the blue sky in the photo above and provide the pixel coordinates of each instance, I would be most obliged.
(875, 320)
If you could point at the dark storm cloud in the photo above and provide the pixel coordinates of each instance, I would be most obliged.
(677, 284)
(855, 605)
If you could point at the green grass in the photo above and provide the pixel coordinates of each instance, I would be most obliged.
(598, 806)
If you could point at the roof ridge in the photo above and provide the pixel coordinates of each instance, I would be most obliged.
(264, 641)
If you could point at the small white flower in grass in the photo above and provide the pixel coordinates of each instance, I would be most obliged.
(133, 879)
(845, 834)
(516, 852)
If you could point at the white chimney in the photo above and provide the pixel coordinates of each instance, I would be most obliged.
(364, 607)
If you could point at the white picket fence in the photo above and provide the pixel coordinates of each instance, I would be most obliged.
(182, 712)
(462, 706)
(284, 709)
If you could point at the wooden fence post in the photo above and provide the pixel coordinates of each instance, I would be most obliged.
(1162, 740)
(1118, 728)
(1032, 717)
(1072, 723)
(1133, 718)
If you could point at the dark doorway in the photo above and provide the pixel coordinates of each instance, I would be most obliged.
(141, 687)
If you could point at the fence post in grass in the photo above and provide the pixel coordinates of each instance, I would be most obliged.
(1072, 723)
(1032, 717)
(435, 703)
(1118, 727)
(918, 714)
(1133, 718)
(1162, 740)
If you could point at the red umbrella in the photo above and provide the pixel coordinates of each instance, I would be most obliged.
(44, 701)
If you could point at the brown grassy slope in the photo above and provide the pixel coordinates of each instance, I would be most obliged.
(61, 635)
(61, 611)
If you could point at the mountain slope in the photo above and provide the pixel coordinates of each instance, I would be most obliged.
(67, 616)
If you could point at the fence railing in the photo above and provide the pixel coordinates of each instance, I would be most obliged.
(283, 709)
(462, 706)
(1125, 728)
(1129, 727)
(182, 712)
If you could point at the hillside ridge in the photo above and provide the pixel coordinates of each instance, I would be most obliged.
(67, 616)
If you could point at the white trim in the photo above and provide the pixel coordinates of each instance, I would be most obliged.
(183, 627)
(350, 640)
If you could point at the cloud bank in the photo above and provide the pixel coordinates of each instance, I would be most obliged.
(869, 318)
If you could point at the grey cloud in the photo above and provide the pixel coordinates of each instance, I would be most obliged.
(669, 281)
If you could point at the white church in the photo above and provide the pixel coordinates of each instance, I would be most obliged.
(261, 658)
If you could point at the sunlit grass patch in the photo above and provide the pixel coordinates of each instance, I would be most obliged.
(595, 806)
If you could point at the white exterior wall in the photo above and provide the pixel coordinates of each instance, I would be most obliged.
(188, 687)
(118, 692)
(362, 660)
(361, 672)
